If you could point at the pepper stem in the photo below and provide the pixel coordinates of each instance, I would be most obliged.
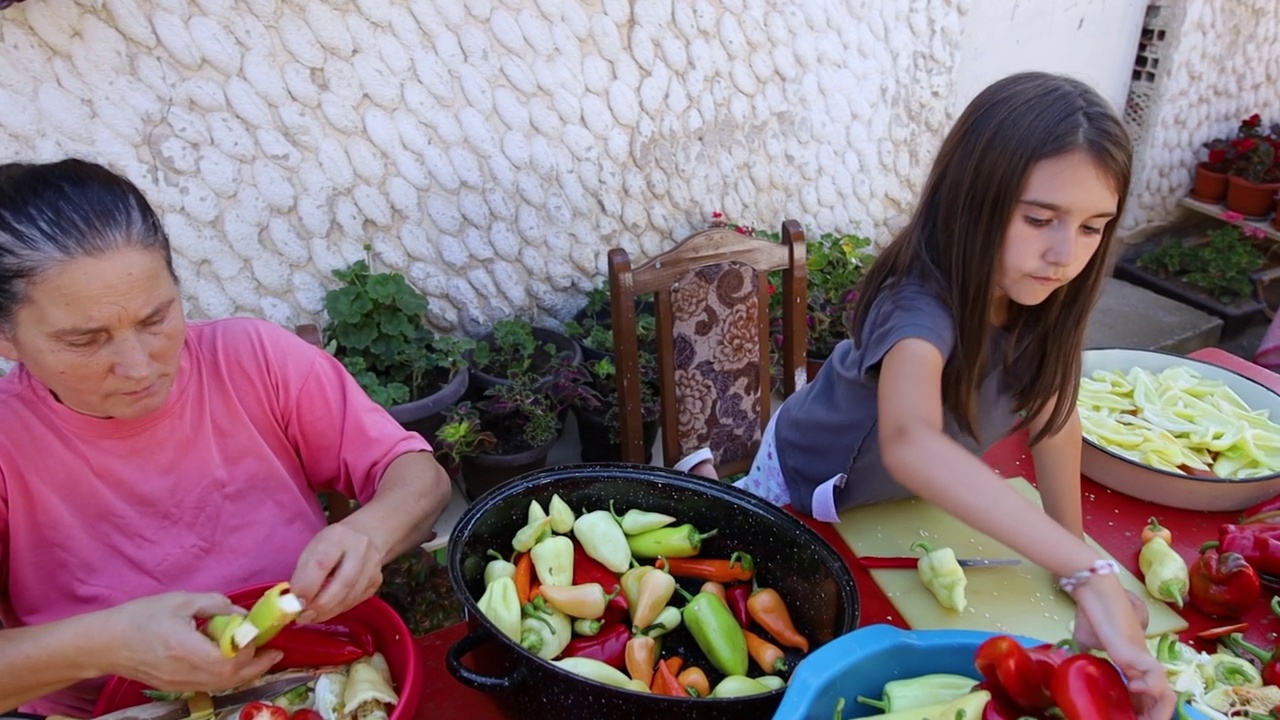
(1275, 605)
(880, 705)
(1236, 642)
(529, 610)
(495, 554)
(921, 546)
(742, 559)
(684, 592)
(1209, 545)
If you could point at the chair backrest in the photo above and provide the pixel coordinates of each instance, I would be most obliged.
(338, 504)
(711, 299)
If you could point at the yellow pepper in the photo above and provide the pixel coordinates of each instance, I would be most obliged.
(944, 577)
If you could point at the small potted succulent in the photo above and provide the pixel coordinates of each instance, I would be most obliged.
(515, 347)
(461, 436)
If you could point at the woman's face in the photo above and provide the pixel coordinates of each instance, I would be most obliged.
(104, 333)
(1056, 228)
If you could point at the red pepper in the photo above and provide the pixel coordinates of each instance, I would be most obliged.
(999, 707)
(1270, 660)
(1264, 511)
(1047, 658)
(1004, 663)
(1259, 544)
(608, 646)
(587, 569)
(258, 710)
(319, 645)
(736, 598)
(1088, 687)
(1223, 584)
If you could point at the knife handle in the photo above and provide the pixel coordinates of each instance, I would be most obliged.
(870, 562)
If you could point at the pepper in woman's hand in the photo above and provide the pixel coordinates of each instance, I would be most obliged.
(1259, 544)
(1088, 687)
(1223, 585)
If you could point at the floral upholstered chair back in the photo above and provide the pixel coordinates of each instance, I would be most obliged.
(716, 336)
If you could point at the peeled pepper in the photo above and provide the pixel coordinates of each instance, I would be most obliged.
(602, 538)
(553, 561)
(944, 577)
(501, 605)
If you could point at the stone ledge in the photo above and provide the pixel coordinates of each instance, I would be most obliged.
(1129, 316)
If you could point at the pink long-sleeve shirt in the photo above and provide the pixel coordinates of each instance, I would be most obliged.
(214, 491)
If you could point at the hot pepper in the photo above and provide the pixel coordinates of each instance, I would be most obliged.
(636, 521)
(716, 589)
(602, 538)
(736, 597)
(1155, 530)
(630, 582)
(641, 654)
(739, 567)
(942, 575)
(587, 569)
(1088, 687)
(656, 588)
(669, 542)
(553, 561)
(768, 656)
(609, 646)
(716, 632)
(319, 645)
(1259, 544)
(921, 691)
(666, 681)
(581, 601)
(561, 515)
(502, 606)
(1008, 668)
(1223, 584)
(768, 609)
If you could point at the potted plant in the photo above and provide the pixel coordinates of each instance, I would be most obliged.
(599, 423)
(1210, 183)
(514, 347)
(524, 415)
(1255, 175)
(1212, 273)
(461, 436)
(377, 328)
(592, 327)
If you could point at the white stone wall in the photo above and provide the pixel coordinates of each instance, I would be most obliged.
(1223, 64)
(492, 150)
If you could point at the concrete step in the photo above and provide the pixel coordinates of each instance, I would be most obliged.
(1129, 316)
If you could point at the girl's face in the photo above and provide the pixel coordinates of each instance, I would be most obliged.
(1055, 229)
(104, 333)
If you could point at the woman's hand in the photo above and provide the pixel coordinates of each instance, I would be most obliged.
(1107, 617)
(158, 644)
(339, 568)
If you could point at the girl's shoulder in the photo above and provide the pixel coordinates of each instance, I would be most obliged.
(910, 299)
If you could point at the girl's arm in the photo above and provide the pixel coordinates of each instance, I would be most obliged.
(1057, 460)
(920, 456)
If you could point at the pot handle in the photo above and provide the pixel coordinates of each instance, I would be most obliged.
(473, 679)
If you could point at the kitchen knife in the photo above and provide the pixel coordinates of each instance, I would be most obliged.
(873, 563)
(182, 709)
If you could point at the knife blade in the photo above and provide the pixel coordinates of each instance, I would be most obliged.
(182, 709)
(872, 562)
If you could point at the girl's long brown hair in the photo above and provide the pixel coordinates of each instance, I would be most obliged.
(953, 240)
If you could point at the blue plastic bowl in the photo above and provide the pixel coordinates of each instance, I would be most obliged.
(861, 662)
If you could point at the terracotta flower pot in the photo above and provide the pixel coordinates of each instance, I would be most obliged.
(1210, 186)
(1253, 200)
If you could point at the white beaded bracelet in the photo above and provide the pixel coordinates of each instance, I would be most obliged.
(1070, 583)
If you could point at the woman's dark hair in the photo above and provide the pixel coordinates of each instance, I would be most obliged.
(953, 241)
(55, 212)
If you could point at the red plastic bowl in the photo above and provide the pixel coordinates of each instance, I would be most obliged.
(391, 638)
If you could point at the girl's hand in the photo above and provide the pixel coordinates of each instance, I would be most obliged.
(338, 569)
(1087, 637)
(1105, 609)
(159, 645)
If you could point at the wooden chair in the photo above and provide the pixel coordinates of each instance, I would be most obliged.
(711, 296)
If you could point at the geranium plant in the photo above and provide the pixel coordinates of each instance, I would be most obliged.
(1220, 265)
(1254, 151)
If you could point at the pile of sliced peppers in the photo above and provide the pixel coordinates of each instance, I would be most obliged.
(596, 593)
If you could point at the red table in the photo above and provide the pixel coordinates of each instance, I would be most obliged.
(1115, 521)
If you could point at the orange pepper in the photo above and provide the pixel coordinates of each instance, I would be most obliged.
(524, 577)
(694, 680)
(664, 682)
(640, 654)
(738, 567)
(768, 609)
(768, 656)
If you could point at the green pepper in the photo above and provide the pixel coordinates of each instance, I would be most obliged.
(739, 686)
(587, 628)
(562, 516)
(499, 567)
(920, 691)
(942, 574)
(773, 682)
(553, 561)
(501, 604)
(530, 534)
(603, 540)
(716, 632)
(637, 521)
(673, 542)
(545, 631)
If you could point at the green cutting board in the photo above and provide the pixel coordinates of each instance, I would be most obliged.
(1017, 599)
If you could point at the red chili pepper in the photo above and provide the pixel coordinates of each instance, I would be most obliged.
(1259, 544)
(1004, 663)
(1215, 633)
(608, 646)
(257, 710)
(1088, 687)
(739, 566)
(319, 645)
(1223, 584)
(1270, 660)
(736, 598)
(587, 569)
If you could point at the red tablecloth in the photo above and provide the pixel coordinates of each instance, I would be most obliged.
(1114, 520)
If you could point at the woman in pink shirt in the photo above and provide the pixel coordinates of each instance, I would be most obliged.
(148, 465)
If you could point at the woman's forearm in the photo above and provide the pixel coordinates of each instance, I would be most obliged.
(40, 659)
(1057, 460)
(944, 473)
(413, 492)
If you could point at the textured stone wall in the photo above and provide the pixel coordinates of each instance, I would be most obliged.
(491, 150)
(1222, 64)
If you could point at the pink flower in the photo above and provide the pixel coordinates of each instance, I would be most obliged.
(1231, 216)
(1256, 233)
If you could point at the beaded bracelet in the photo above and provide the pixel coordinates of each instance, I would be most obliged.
(1070, 583)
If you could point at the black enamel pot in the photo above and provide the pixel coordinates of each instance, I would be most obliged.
(817, 587)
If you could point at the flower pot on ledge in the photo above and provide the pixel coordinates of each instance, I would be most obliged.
(1253, 200)
(1210, 186)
